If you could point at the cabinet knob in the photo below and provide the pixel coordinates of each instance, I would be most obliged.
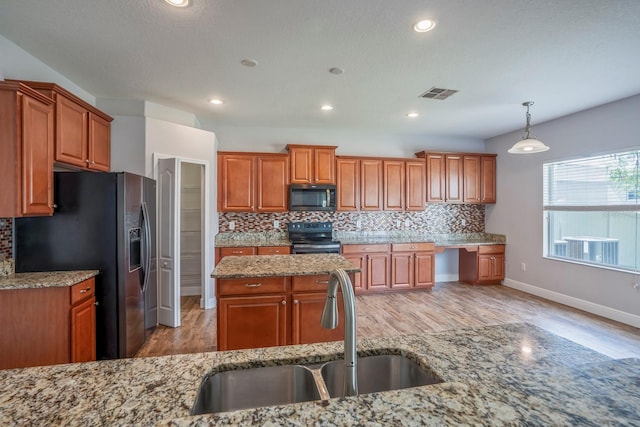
(93, 162)
(295, 301)
(86, 161)
(164, 264)
(284, 302)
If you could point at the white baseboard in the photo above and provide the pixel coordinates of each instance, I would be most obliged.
(447, 278)
(189, 291)
(590, 307)
(210, 303)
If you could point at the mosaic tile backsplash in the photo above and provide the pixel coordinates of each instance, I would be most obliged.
(6, 238)
(436, 219)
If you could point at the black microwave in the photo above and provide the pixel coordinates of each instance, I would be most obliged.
(312, 197)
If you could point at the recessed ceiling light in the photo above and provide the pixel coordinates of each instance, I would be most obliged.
(336, 70)
(216, 101)
(412, 115)
(249, 62)
(326, 108)
(178, 3)
(424, 25)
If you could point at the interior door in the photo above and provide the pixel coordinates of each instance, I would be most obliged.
(168, 177)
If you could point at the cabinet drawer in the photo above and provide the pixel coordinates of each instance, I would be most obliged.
(252, 285)
(355, 249)
(274, 250)
(237, 251)
(413, 247)
(490, 249)
(317, 282)
(82, 290)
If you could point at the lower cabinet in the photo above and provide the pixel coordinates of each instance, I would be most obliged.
(374, 262)
(482, 265)
(250, 250)
(273, 311)
(47, 326)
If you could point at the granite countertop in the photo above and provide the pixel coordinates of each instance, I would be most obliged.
(45, 279)
(513, 374)
(363, 238)
(280, 265)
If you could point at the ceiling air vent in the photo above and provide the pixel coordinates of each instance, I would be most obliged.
(438, 93)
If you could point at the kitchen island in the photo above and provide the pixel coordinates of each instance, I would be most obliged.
(511, 374)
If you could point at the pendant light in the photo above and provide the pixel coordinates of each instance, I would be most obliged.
(528, 144)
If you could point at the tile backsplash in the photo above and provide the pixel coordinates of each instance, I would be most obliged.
(6, 238)
(436, 218)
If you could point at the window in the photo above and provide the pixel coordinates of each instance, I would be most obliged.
(591, 210)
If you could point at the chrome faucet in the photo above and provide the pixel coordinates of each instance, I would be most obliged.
(330, 321)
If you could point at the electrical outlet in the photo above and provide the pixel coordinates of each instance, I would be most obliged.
(358, 224)
(636, 286)
(523, 266)
(464, 222)
(276, 223)
(398, 223)
(407, 223)
(232, 225)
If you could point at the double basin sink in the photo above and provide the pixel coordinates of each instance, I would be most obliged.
(280, 385)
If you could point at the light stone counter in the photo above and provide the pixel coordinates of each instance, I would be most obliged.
(47, 279)
(280, 265)
(230, 240)
(507, 375)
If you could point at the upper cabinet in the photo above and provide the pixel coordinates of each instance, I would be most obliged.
(252, 182)
(26, 151)
(82, 132)
(460, 177)
(312, 164)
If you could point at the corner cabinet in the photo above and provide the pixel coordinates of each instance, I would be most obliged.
(82, 132)
(312, 164)
(48, 325)
(252, 182)
(26, 151)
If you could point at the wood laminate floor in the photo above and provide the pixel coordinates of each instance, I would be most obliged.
(449, 305)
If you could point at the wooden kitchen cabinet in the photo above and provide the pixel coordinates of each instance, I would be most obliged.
(308, 298)
(348, 184)
(460, 177)
(374, 261)
(26, 151)
(415, 189)
(46, 326)
(250, 250)
(481, 265)
(274, 250)
(82, 132)
(412, 265)
(252, 182)
(360, 184)
(312, 164)
(371, 184)
(394, 185)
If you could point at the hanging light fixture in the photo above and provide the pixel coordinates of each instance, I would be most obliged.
(528, 143)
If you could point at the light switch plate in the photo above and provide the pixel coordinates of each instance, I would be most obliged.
(232, 225)
(276, 223)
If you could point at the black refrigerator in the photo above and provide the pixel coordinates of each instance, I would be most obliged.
(106, 222)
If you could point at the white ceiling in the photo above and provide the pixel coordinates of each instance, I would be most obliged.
(566, 55)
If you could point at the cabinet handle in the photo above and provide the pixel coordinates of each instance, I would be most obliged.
(96, 303)
(237, 252)
(253, 285)
(284, 302)
(322, 282)
(365, 249)
(83, 291)
(295, 301)
(412, 247)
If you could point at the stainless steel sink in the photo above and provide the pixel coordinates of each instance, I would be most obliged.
(255, 387)
(378, 373)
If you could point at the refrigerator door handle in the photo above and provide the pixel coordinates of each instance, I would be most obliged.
(147, 244)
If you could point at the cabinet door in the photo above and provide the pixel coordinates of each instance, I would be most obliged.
(252, 322)
(488, 179)
(71, 132)
(324, 166)
(360, 279)
(37, 157)
(377, 271)
(472, 181)
(485, 267)
(83, 331)
(306, 314)
(424, 270)
(402, 270)
(435, 178)
(236, 183)
(301, 164)
(497, 267)
(272, 183)
(371, 185)
(348, 184)
(394, 175)
(274, 250)
(415, 185)
(453, 180)
(99, 143)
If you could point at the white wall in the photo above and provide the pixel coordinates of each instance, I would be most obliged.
(16, 63)
(349, 142)
(128, 144)
(518, 213)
